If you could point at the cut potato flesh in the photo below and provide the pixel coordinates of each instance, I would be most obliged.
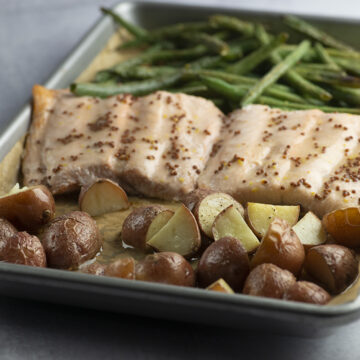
(210, 207)
(102, 197)
(310, 230)
(230, 223)
(221, 286)
(180, 234)
(260, 216)
(158, 223)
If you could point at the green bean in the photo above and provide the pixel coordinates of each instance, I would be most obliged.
(343, 54)
(148, 72)
(276, 72)
(135, 87)
(232, 23)
(236, 92)
(211, 42)
(351, 96)
(292, 77)
(245, 45)
(131, 28)
(317, 67)
(191, 88)
(122, 67)
(204, 62)
(236, 79)
(349, 65)
(315, 33)
(292, 106)
(255, 58)
(325, 57)
(331, 78)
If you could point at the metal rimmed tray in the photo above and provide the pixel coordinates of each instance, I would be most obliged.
(152, 299)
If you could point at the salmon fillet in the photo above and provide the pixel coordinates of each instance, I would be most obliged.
(299, 157)
(156, 145)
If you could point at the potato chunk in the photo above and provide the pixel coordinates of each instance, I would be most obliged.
(344, 226)
(260, 216)
(101, 197)
(310, 230)
(230, 223)
(333, 266)
(180, 234)
(280, 246)
(210, 206)
(307, 292)
(220, 286)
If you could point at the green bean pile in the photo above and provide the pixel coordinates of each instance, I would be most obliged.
(235, 63)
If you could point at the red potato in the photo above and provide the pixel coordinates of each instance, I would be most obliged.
(220, 286)
(94, 269)
(334, 266)
(101, 197)
(23, 248)
(180, 234)
(259, 216)
(122, 268)
(210, 206)
(227, 259)
(70, 240)
(6, 230)
(344, 226)
(142, 224)
(268, 280)
(307, 292)
(28, 208)
(280, 246)
(167, 268)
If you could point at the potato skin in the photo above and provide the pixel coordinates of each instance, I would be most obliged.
(30, 209)
(71, 239)
(94, 269)
(268, 280)
(280, 246)
(23, 248)
(341, 261)
(6, 229)
(307, 292)
(122, 268)
(167, 268)
(194, 197)
(344, 226)
(225, 258)
(136, 225)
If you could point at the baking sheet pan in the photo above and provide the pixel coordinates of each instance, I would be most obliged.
(151, 299)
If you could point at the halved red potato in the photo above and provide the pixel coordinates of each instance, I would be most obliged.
(220, 285)
(28, 208)
(180, 234)
(310, 231)
(167, 268)
(268, 280)
(230, 223)
(344, 226)
(259, 216)
(101, 197)
(280, 246)
(334, 266)
(23, 248)
(207, 204)
(122, 268)
(142, 224)
(307, 292)
(94, 268)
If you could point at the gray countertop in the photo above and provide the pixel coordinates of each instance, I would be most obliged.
(35, 36)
